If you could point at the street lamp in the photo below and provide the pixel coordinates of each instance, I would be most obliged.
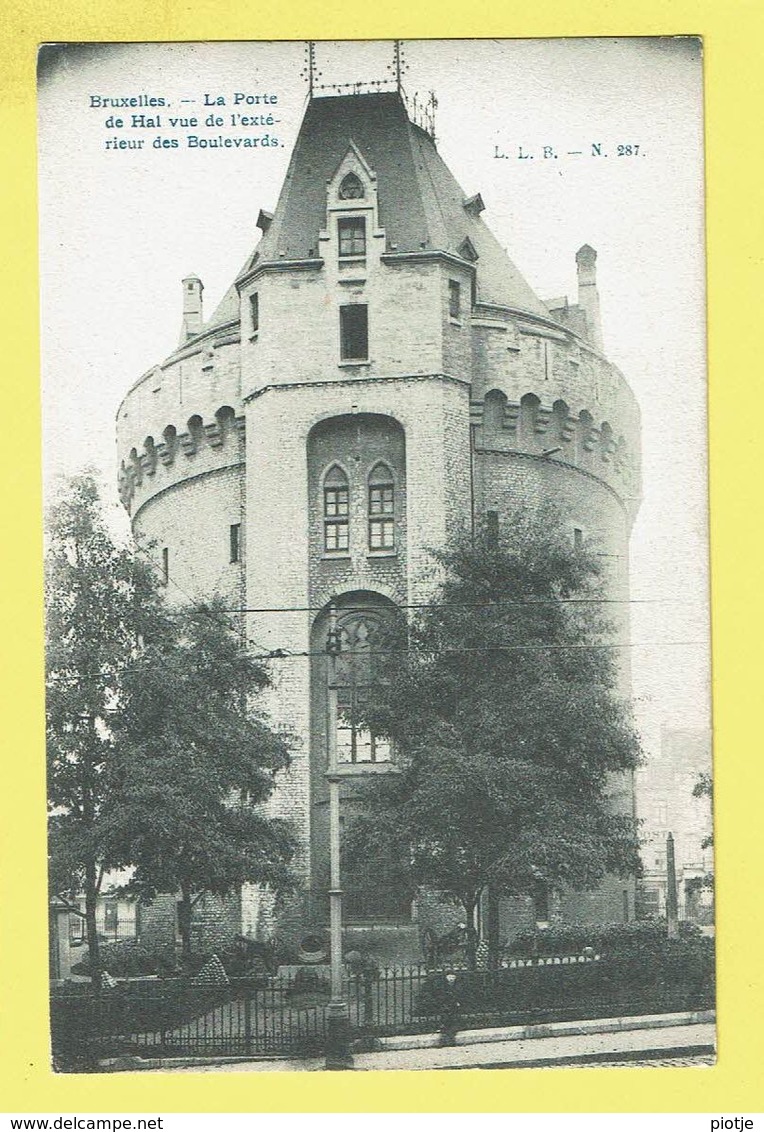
(338, 1054)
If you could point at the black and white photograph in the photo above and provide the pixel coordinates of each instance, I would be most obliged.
(376, 554)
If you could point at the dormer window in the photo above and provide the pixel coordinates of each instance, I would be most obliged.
(467, 250)
(351, 188)
(352, 236)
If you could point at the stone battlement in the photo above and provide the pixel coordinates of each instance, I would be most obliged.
(196, 448)
(551, 431)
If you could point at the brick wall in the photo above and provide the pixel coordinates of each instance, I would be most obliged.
(216, 921)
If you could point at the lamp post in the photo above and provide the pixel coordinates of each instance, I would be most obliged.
(338, 1054)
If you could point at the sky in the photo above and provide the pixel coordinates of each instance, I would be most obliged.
(120, 228)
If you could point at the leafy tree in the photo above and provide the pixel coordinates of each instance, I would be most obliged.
(195, 759)
(99, 598)
(157, 755)
(502, 699)
(704, 788)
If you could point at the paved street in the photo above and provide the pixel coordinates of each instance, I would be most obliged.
(653, 1063)
(570, 1051)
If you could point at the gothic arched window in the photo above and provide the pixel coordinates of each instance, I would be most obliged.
(381, 508)
(351, 187)
(354, 675)
(336, 511)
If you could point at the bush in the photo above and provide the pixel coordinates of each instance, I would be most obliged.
(571, 939)
(666, 975)
(131, 959)
(128, 958)
(244, 959)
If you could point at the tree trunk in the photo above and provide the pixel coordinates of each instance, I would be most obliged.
(91, 902)
(185, 912)
(91, 865)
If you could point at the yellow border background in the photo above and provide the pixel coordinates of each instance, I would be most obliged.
(733, 33)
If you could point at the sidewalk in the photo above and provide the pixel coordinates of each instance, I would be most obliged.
(610, 1041)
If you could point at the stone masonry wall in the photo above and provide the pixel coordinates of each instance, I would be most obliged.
(193, 521)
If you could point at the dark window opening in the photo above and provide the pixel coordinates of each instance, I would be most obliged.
(492, 528)
(352, 234)
(541, 901)
(578, 538)
(165, 564)
(454, 298)
(354, 332)
(235, 542)
(254, 311)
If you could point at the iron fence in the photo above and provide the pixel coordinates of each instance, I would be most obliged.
(286, 1015)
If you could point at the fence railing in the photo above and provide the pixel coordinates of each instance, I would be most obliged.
(269, 1015)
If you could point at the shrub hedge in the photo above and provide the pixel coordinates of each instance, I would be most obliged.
(571, 939)
(131, 959)
(665, 976)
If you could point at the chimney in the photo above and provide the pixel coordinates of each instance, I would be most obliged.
(588, 296)
(193, 318)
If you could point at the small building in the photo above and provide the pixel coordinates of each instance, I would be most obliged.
(666, 804)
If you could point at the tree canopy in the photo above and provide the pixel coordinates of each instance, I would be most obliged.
(99, 599)
(195, 760)
(503, 700)
(160, 758)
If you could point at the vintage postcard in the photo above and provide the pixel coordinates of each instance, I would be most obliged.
(378, 690)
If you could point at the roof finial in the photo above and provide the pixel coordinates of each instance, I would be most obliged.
(398, 65)
(309, 70)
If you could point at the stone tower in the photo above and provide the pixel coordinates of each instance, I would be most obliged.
(377, 377)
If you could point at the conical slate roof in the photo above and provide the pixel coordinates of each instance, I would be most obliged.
(421, 205)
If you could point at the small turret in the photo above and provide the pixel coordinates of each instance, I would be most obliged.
(193, 317)
(588, 295)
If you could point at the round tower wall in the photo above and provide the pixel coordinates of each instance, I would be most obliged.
(191, 520)
(555, 392)
(180, 420)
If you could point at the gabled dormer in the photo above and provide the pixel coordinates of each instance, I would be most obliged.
(352, 241)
